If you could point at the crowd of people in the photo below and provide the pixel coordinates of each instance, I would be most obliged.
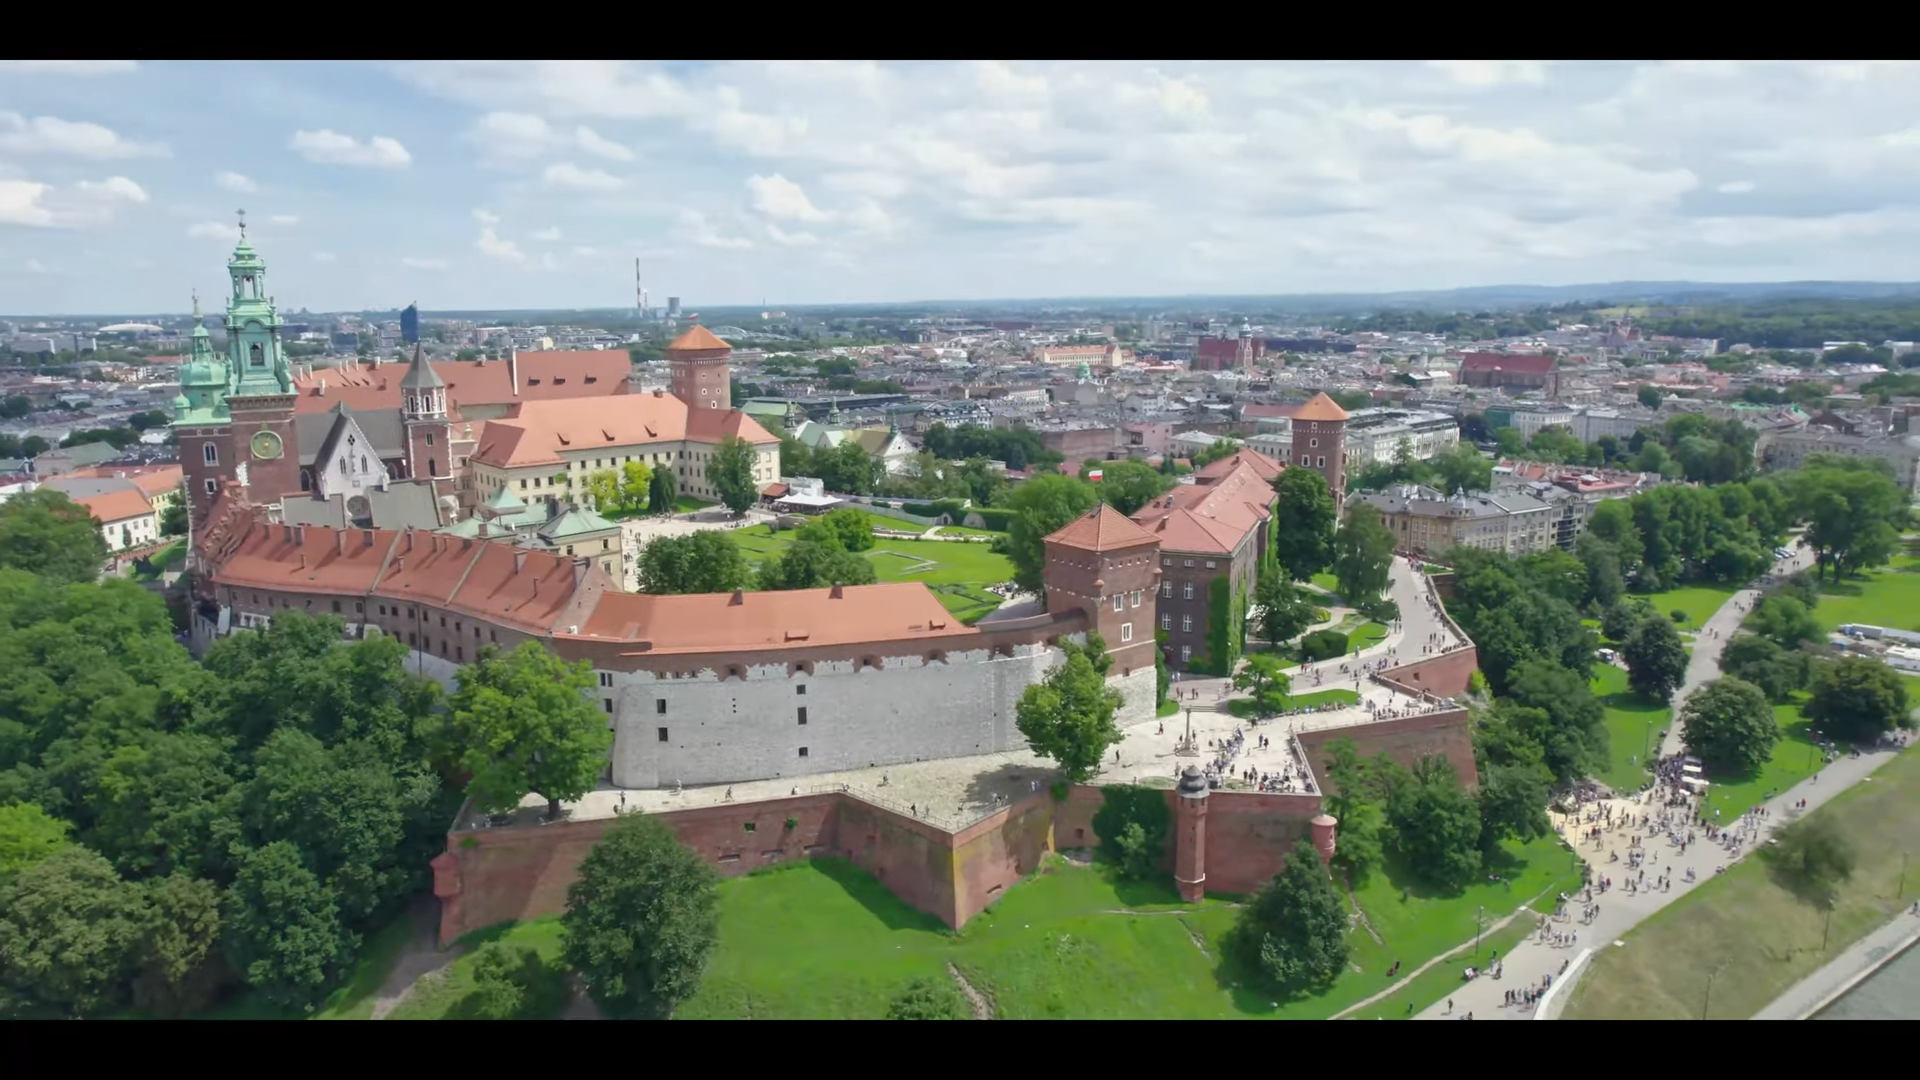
(1291, 777)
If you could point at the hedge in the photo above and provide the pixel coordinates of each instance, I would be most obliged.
(1323, 645)
(997, 520)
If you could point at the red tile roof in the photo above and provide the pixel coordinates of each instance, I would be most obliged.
(758, 621)
(123, 505)
(1321, 407)
(1209, 518)
(697, 339)
(1267, 468)
(1101, 529)
(535, 432)
(544, 376)
(1523, 363)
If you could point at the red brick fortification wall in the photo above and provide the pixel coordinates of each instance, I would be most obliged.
(913, 859)
(1446, 676)
(490, 876)
(1073, 819)
(1405, 741)
(992, 855)
(1250, 835)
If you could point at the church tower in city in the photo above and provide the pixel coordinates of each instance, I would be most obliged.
(423, 409)
(202, 426)
(261, 400)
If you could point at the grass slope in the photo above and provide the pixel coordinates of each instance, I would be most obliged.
(1759, 936)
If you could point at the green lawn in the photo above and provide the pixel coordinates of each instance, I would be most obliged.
(1327, 582)
(969, 602)
(823, 940)
(962, 530)
(1698, 601)
(1243, 707)
(1633, 725)
(1795, 758)
(973, 565)
(167, 558)
(1887, 597)
(687, 504)
(443, 994)
(1757, 935)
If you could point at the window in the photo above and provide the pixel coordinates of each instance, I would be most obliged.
(803, 716)
(1186, 624)
(660, 707)
(1187, 562)
(800, 690)
(1186, 591)
(1136, 598)
(1315, 443)
(432, 469)
(1166, 589)
(1166, 562)
(606, 677)
(1321, 464)
(1119, 602)
(607, 704)
(211, 453)
(255, 358)
(1185, 652)
(343, 466)
(1166, 622)
(336, 607)
(662, 732)
(429, 438)
(1126, 631)
(803, 751)
(1209, 564)
(213, 486)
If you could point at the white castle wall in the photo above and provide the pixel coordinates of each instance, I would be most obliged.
(1137, 691)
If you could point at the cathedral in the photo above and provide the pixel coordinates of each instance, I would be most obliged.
(398, 446)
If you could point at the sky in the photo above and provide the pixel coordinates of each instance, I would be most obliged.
(474, 185)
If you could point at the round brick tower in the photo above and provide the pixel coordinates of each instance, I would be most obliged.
(1190, 835)
(1324, 827)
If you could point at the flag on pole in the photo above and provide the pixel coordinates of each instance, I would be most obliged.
(1094, 476)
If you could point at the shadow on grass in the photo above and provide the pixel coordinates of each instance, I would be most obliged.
(869, 893)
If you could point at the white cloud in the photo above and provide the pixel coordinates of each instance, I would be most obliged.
(493, 247)
(512, 135)
(327, 147)
(486, 217)
(547, 235)
(236, 182)
(285, 219)
(782, 199)
(1493, 72)
(586, 252)
(69, 67)
(570, 177)
(593, 143)
(791, 239)
(324, 256)
(23, 202)
(35, 266)
(424, 264)
(696, 228)
(79, 205)
(73, 138)
(1736, 187)
(112, 189)
(214, 230)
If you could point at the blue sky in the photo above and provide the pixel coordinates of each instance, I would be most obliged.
(484, 184)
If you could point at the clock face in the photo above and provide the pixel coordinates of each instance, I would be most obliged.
(266, 445)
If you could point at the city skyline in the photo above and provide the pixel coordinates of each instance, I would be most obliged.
(532, 186)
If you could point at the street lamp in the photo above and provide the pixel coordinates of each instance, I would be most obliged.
(1479, 926)
(1707, 999)
(1827, 928)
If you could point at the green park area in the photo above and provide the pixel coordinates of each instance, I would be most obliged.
(1888, 597)
(1243, 707)
(1754, 934)
(1633, 728)
(958, 572)
(823, 940)
(171, 557)
(1698, 602)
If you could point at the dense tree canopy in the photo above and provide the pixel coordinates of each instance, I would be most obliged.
(1303, 523)
(1294, 932)
(702, 562)
(1127, 485)
(1068, 715)
(1729, 725)
(1363, 556)
(641, 920)
(730, 471)
(1858, 699)
(43, 532)
(1853, 509)
(525, 726)
(1656, 658)
(1041, 506)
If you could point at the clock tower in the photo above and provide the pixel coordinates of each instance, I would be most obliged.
(262, 397)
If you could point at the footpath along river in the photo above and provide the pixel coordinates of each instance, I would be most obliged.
(1892, 993)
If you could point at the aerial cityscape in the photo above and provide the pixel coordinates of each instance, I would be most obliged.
(833, 540)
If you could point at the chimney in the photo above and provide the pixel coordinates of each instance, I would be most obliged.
(519, 560)
(580, 575)
(303, 560)
(739, 598)
(366, 536)
(536, 586)
(837, 593)
(483, 530)
(340, 541)
(323, 388)
(409, 546)
(513, 369)
(657, 392)
(400, 564)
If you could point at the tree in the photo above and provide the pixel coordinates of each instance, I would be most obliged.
(173, 519)
(523, 723)
(641, 920)
(1357, 798)
(1303, 523)
(1267, 684)
(846, 528)
(1436, 824)
(663, 491)
(68, 930)
(27, 835)
(177, 962)
(1656, 658)
(1857, 699)
(43, 532)
(1128, 485)
(926, 999)
(1785, 621)
(808, 564)
(1513, 804)
(1605, 583)
(1777, 672)
(1363, 555)
(730, 472)
(1284, 612)
(1649, 396)
(602, 488)
(1462, 468)
(512, 982)
(1068, 715)
(1813, 856)
(1294, 932)
(703, 562)
(283, 928)
(1041, 506)
(1729, 725)
(1573, 739)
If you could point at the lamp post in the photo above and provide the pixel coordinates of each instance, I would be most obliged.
(1707, 999)
(1826, 928)
(1479, 927)
(1900, 890)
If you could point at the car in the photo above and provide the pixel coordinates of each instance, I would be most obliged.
(1782, 553)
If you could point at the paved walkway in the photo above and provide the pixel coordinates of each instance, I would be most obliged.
(1849, 969)
(1534, 961)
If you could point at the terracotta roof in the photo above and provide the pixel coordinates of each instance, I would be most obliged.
(1264, 466)
(1524, 363)
(1101, 529)
(535, 432)
(758, 621)
(543, 376)
(112, 506)
(152, 479)
(1321, 407)
(696, 339)
(1209, 518)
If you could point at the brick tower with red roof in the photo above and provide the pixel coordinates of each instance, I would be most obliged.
(701, 366)
(1108, 567)
(1320, 442)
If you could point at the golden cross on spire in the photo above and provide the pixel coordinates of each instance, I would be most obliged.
(243, 223)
